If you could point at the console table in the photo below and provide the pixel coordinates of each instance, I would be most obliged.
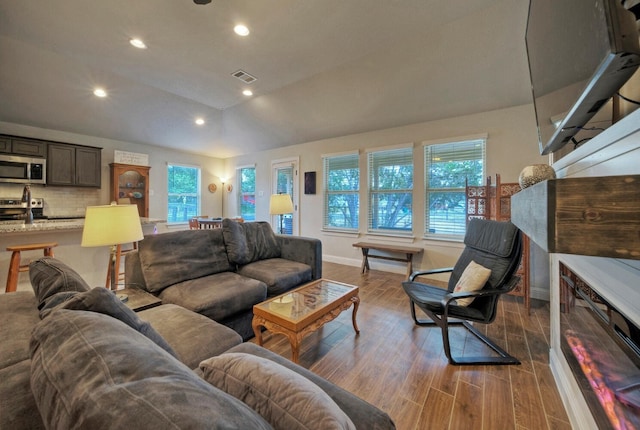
(408, 252)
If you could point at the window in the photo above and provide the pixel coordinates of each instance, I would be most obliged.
(390, 191)
(447, 168)
(183, 189)
(341, 178)
(247, 189)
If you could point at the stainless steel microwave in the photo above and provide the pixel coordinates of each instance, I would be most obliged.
(22, 170)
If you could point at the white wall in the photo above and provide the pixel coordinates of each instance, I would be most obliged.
(512, 144)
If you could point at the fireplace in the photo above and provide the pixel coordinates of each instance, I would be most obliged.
(602, 349)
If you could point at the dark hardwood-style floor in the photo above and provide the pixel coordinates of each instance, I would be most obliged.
(402, 369)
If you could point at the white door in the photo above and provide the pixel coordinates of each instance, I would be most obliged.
(285, 181)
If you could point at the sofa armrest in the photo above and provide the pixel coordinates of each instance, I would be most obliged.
(303, 250)
(133, 270)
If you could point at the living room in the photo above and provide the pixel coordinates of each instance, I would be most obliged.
(509, 128)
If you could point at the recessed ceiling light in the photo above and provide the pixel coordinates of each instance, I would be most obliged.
(138, 43)
(241, 30)
(199, 121)
(99, 92)
(247, 93)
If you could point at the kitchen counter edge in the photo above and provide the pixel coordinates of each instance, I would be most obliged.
(56, 225)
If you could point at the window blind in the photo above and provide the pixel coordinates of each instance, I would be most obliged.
(341, 179)
(390, 188)
(448, 166)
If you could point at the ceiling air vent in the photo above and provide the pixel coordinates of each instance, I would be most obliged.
(244, 77)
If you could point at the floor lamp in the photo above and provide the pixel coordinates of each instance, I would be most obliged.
(280, 204)
(111, 225)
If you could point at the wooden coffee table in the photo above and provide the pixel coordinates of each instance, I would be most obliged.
(304, 310)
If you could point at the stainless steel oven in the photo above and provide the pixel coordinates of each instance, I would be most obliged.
(22, 170)
(16, 209)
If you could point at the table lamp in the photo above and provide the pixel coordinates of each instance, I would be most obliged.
(111, 225)
(280, 204)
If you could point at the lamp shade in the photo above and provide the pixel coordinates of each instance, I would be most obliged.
(280, 204)
(111, 225)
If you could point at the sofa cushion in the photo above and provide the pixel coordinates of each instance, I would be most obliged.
(18, 316)
(278, 274)
(287, 400)
(19, 409)
(362, 414)
(216, 296)
(50, 276)
(192, 336)
(249, 241)
(104, 302)
(178, 256)
(89, 370)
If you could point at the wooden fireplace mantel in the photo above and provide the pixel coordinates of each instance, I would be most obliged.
(598, 216)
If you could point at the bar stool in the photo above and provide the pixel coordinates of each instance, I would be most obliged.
(119, 254)
(14, 265)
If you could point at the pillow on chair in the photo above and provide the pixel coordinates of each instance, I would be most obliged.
(472, 279)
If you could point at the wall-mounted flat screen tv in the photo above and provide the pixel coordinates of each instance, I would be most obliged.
(580, 52)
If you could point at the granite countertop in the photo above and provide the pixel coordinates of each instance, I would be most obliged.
(55, 224)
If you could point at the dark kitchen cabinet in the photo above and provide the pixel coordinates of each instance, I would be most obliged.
(23, 146)
(5, 144)
(72, 165)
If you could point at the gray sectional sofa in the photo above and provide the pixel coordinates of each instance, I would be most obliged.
(222, 273)
(75, 357)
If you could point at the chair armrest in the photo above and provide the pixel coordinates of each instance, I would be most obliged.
(414, 275)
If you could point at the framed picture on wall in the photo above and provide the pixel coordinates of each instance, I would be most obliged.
(309, 182)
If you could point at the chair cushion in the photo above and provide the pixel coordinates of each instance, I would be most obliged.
(178, 256)
(249, 241)
(430, 298)
(216, 296)
(287, 400)
(497, 238)
(472, 279)
(92, 371)
(278, 274)
(50, 276)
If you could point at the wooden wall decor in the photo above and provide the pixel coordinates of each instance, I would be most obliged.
(494, 202)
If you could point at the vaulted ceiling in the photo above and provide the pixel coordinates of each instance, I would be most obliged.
(324, 68)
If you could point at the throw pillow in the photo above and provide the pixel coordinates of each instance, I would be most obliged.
(235, 242)
(284, 398)
(50, 276)
(249, 241)
(472, 279)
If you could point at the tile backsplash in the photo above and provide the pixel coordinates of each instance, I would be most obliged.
(58, 201)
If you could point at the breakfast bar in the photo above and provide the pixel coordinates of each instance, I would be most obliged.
(91, 263)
